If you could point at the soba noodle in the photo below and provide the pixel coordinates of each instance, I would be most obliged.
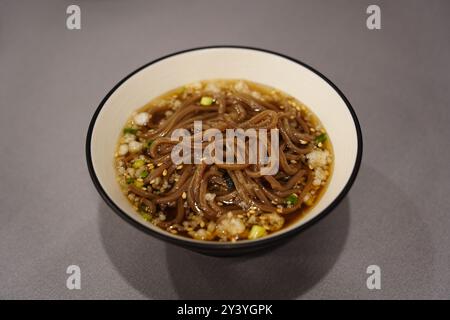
(222, 201)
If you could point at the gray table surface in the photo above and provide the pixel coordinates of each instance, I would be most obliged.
(395, 216)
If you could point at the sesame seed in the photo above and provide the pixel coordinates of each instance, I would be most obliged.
(279, 210)
(303, 142)
(184, 195)
(159, 165)
(165, 172)
(180, 167)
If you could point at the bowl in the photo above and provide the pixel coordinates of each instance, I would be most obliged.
(221, 62)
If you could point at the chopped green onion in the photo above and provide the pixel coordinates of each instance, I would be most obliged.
(130, 130)
(146, 217)
(256, 232)
(321, 138)
(139, 184)
(292, 199)
(130, 180)
(147, 145)
(206, 101)
(144, 174)
(138, 163)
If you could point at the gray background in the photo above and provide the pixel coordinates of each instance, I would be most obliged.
(396, 215)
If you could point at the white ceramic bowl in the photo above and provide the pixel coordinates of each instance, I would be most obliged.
(289, 75)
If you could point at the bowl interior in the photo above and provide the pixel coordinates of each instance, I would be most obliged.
(220, 63)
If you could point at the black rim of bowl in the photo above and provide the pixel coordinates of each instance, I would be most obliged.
(224, 245)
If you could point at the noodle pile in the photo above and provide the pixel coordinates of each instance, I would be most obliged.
(223, 201)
